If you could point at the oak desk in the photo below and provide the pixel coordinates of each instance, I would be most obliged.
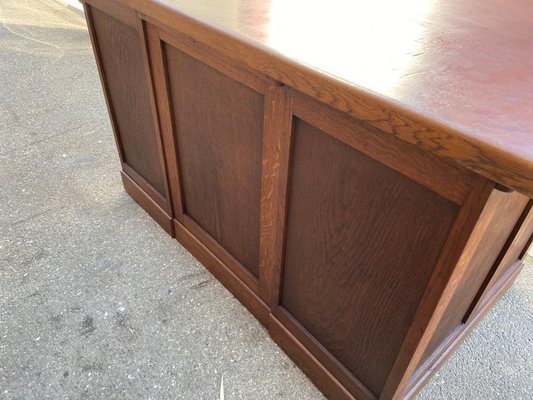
(357, 174)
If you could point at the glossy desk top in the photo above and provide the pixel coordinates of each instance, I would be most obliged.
(466, 65)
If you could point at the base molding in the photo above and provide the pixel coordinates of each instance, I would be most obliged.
(308, 363)
(149, 205)
(297, 351)
(305, 360)
(222, 273)
(333, 389)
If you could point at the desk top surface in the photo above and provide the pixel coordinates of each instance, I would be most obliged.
(464, 66)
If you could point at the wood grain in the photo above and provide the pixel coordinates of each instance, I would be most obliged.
(103, 81)
(224, 275)
(229, 261)
(498, 219)
(124, 14)
(151, 79)
(516, 241)
(219, 131)
(228, 66)
(360, 237)
(122, 65)
(166, 123)
(444, 178)
(275, 171)
(303, 338)
(428, 369)
(310, 365)
(439, 290)
(454, 99)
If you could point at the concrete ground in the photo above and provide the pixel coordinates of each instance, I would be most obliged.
(97, 302)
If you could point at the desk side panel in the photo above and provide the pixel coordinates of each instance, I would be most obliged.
(486, 269)
(361, 243)
(501, 214)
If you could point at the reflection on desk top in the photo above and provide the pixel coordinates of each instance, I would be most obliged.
(453, 77)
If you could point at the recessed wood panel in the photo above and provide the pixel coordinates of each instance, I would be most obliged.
(219, 129)
(122, 62)
(496, 223)
(361, 243)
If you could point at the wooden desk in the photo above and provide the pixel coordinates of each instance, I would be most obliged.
(358, 176)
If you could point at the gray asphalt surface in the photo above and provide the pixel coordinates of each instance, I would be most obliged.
(97, 302)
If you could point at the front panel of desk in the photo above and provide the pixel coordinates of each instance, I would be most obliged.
(367, 259)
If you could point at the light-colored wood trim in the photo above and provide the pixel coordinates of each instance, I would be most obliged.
(277, 134)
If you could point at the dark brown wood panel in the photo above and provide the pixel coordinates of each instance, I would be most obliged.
(122, 63)
(361, 243)
(496, 223)
(442, 282)
(219, 128)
